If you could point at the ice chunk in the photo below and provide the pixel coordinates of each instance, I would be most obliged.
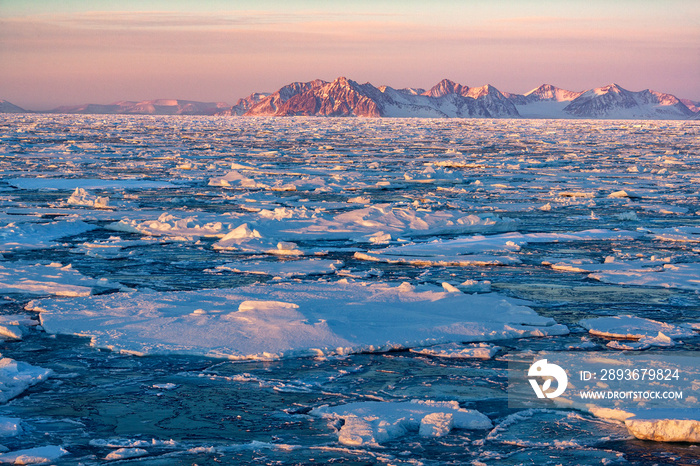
(290, 319)
(294, 268)
(17, 376)
(457, 351)
(665, 425)
(475, 286)
(124, 453)
(436, 425)
(646, 331)
(375, 422)
(36, 455)
(171, 226)
(82, 198)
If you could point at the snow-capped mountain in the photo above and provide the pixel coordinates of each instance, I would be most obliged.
(344, 97)
(546, 101)
(9, 107)
(149, 107)
(447, 99)
(613, 101)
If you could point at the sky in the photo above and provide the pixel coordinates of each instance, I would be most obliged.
(61, 52)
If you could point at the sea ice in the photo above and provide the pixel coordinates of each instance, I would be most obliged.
(48, 279)
(39, 235)
(682, 276)
(17, 376)
(376, 422)
(291, 319)
(457, 351)
(646, 331)
(171, 226)
(35, 455)
(286, 269)
(125, 453)
(81, 197)
(665, 425)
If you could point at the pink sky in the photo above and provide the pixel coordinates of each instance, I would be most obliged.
(73, 52)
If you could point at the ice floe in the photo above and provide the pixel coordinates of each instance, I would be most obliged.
(171, 226)
(36, 455)
(48, 279)
(290, 268)
(17, 376)
(32, 235)
(368, 423)
(665, 425)
(645, 332)
(457, 351)
(291, 319)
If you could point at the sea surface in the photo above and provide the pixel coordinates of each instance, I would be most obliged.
(176, 186)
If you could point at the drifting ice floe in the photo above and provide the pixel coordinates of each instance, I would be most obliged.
(48, 279)
(39, 235)
(290, 319)
(17, 376)
(285, 269)
(456, 351)
(665, 425)
(645, 332)
(35, 455)
(375, 422)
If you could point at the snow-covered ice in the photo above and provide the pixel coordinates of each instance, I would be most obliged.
(37, 455)
(374, 422)
(48, 279)
(291, 319)
(17, 376)
(666, 425)
(645, 332)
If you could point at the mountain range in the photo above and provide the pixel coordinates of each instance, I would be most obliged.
(447, 99)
